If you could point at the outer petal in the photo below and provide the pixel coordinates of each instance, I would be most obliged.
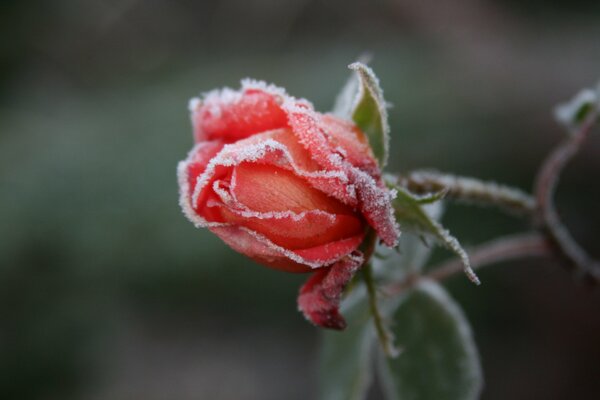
(197, 190)
(297, 231)
(262, 250)
(230, 115)
(374, 200)
(346, 137)
(201, 204)
(319, 298)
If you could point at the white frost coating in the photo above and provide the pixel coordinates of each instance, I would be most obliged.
(464, 331)
(566, 113)
(454, 245)
(194, 103)
(184, 189)
(470, 188)
(370, 82)
(284, 252)
(224, 96)
(276, 91)
(376, 202)
(218, 98)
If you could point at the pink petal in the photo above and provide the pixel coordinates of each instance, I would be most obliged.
(270, 188)
(319, 139)
(320, 296)
(229, 115)
(263, 251)
(346, 137)
(297, 231)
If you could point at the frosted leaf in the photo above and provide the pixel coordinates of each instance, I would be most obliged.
(411, 216)
(369, 111)
(346, 99)
(440, 359)
(345, 361)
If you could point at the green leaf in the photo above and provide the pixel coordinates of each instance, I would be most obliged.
(411, 255)
(344, 102)
(345, 368)
(394, 265)
(411, 216)
(439, 360)
(368, 110)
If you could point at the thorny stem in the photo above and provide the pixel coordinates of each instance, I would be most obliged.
(499, 250)
(553, 237)
(470, 190)
(550, 223)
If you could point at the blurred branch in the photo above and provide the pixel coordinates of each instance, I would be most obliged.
(557, 234)
(470, 190)
(498, 250)
(553, 236)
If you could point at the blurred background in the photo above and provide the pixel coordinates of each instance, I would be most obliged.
(108, 292)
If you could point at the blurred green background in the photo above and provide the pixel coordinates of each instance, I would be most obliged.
(108, 292)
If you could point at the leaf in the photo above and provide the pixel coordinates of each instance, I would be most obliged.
(411, 255)
(394, 265)
(575, 111)
(347, 356)
(411, 216)
(344, 102)
(439, 359)
(368, 109)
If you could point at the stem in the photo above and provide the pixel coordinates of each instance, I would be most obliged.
(546, 182)
(470, 190)
(385, 337)
(498, 250)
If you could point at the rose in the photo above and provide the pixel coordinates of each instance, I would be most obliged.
(293, 189)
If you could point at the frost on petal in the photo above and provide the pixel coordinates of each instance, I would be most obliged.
(230, 115)
(319, 298)
(190, 171)
(319, 135)
(209, 199)
(376, 206)
(265, 252)
(345, 136)
(307, 127)
(297, 231)
(267, 152)
(285, 208)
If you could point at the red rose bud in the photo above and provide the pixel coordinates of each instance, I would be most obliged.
(292, 189)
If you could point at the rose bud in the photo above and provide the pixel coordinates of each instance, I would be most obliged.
(291, 188)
